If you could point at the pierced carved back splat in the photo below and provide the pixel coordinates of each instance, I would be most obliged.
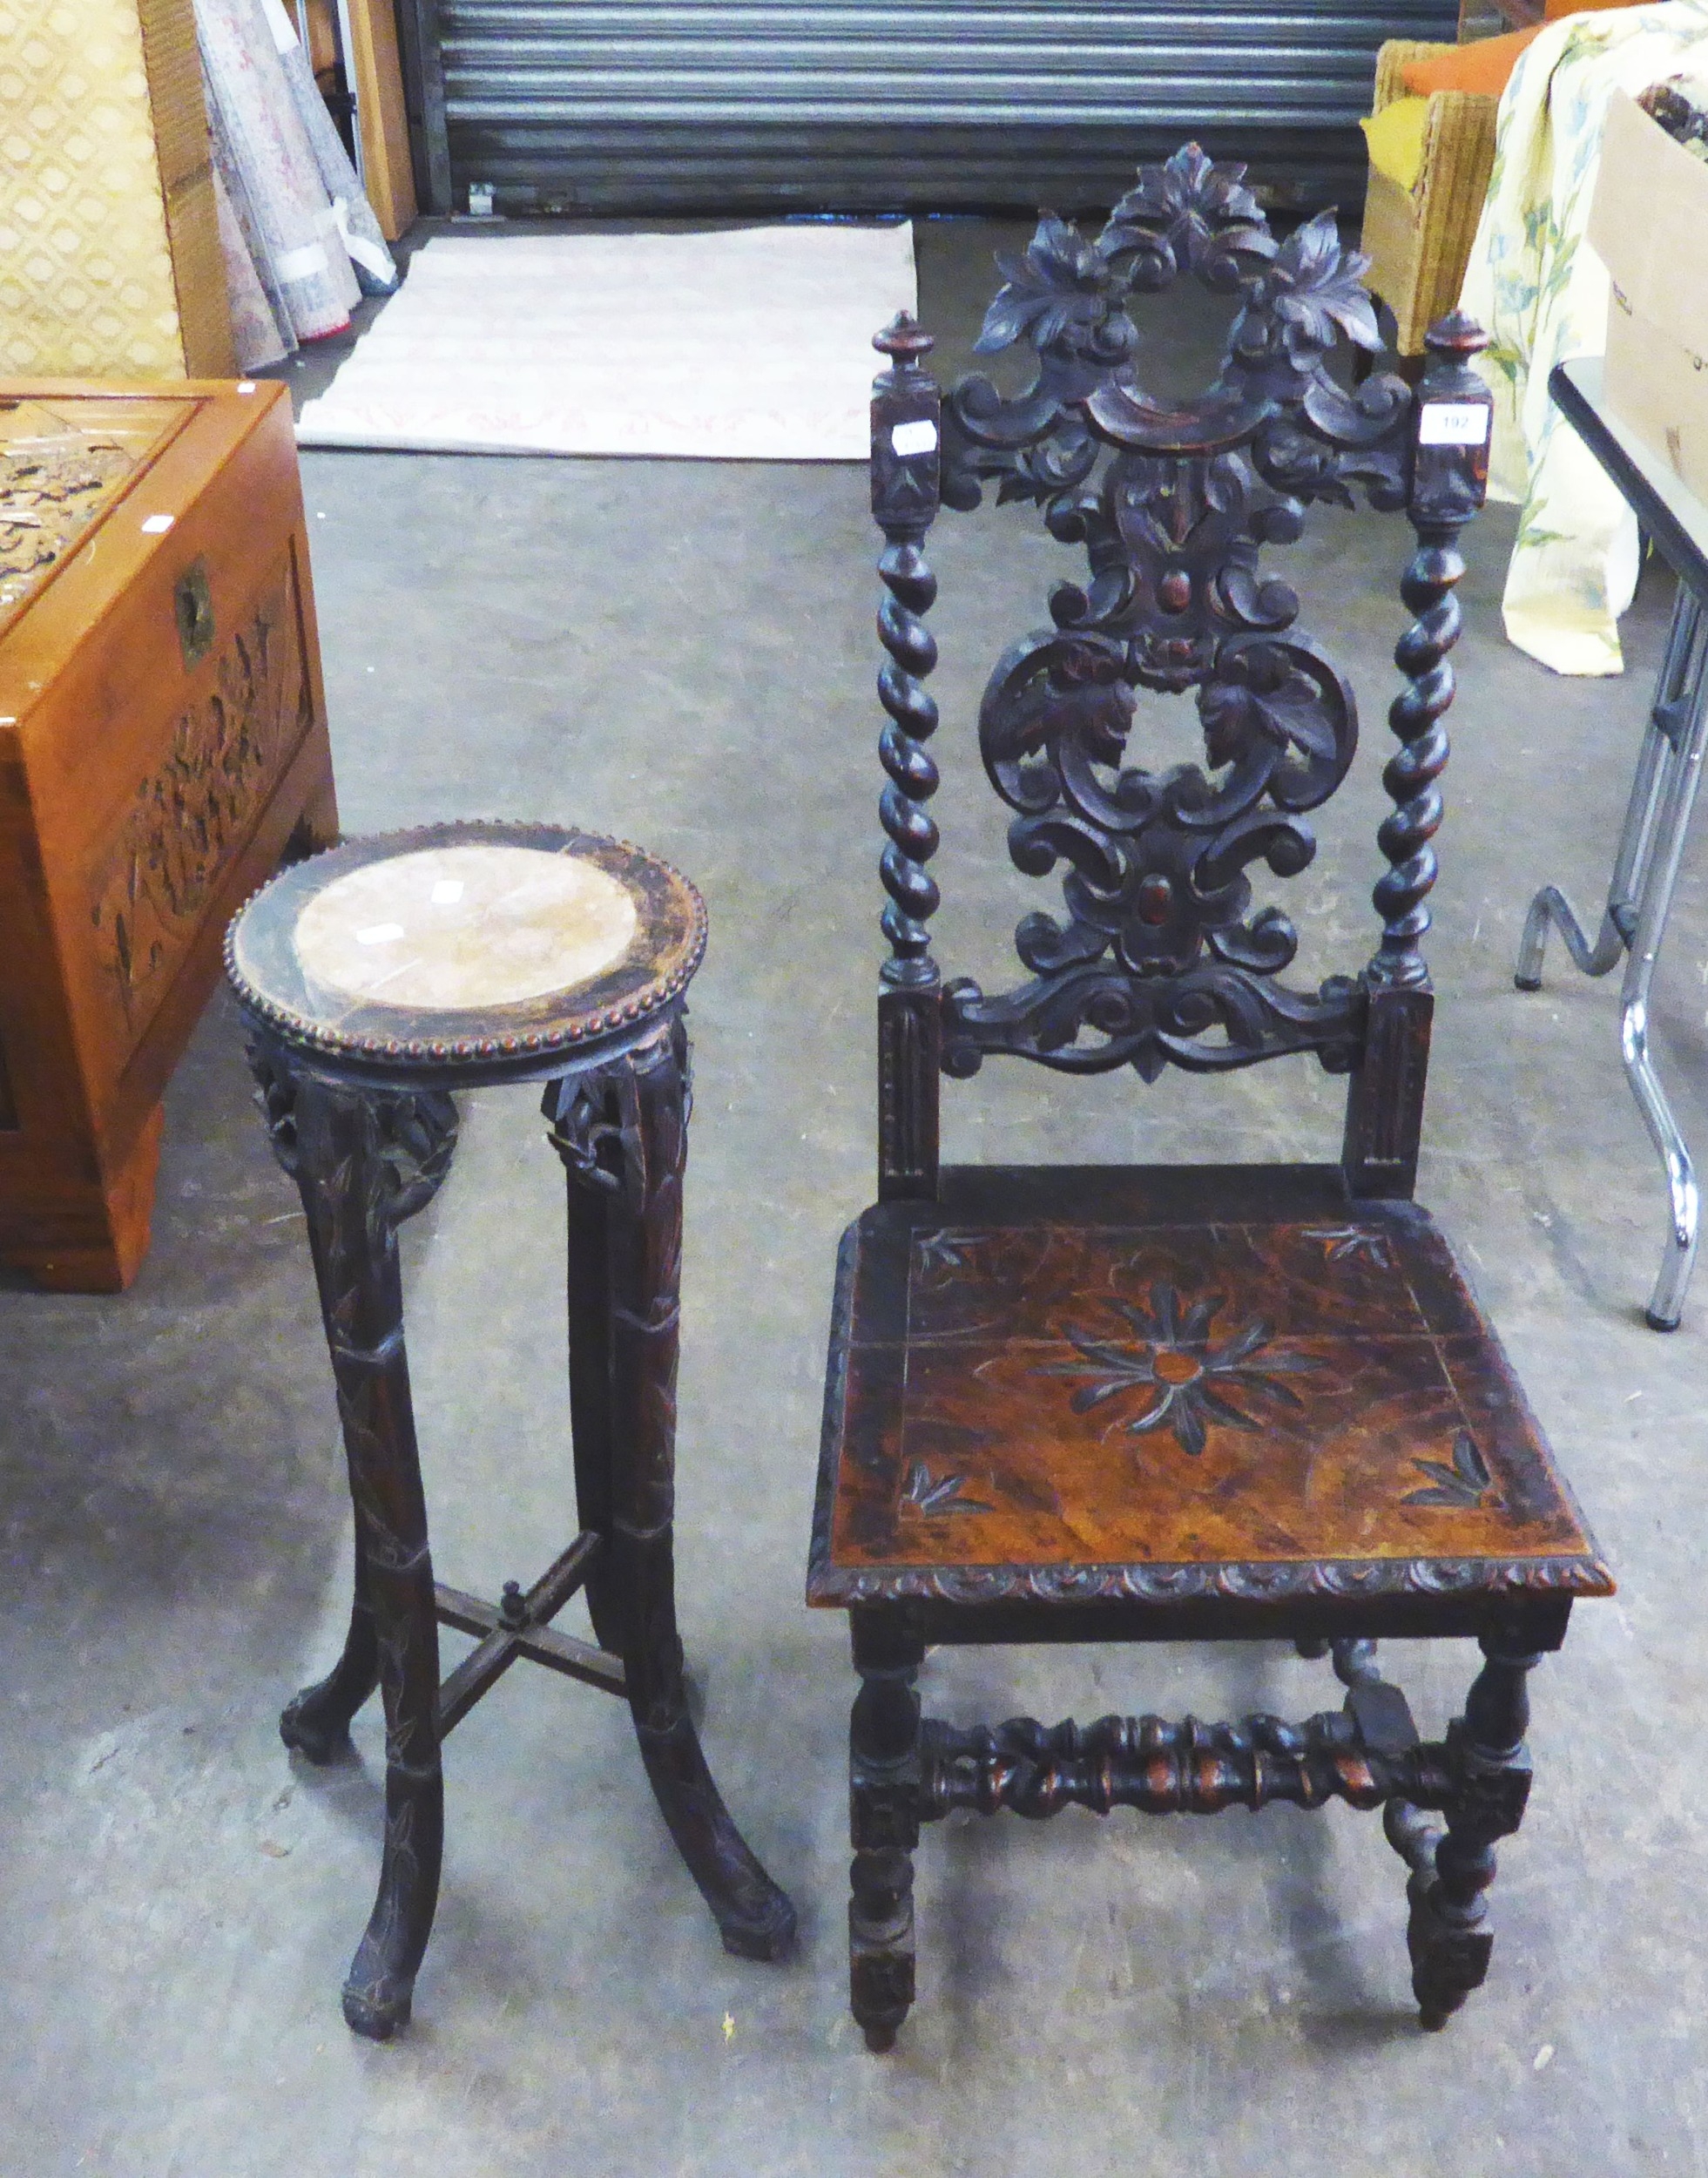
(1163, 955)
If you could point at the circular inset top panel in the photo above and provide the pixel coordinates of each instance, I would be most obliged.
(465, 948)
(477, 925)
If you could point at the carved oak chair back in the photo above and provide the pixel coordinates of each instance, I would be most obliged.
(1162, 957)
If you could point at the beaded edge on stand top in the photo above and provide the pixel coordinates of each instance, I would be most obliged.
(651, 998)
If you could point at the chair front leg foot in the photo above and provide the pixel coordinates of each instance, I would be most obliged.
(1447, 1935)
(1449, 1952)
(883, 1821)
(880, 1942)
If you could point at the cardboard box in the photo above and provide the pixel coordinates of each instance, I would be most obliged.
(1649, 226)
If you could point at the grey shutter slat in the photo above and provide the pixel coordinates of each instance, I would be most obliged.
(618, 105)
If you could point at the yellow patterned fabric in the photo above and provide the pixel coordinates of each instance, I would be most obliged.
(85, 270)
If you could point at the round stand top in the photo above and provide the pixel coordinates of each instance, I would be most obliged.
(483, 946)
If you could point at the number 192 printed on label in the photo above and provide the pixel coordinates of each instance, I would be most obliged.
(1454, 423)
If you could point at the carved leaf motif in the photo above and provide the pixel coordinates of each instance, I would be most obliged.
(930, 1494)
(1263, 696)
(940, 1254)
(1466, 1483)
(1313, 288)
(1189, 214)
(1062, 282)
(1342, 1243)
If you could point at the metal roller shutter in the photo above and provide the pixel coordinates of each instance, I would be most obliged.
(617, 105)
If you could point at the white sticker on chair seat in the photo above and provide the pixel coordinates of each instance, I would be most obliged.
(917, 438)
(1454, 423)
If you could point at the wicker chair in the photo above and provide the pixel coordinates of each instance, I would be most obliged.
(1419, 239)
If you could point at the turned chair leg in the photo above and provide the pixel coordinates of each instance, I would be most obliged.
(1446, 1934)
(363, 1164)
(883, 1822)
(755, 1918)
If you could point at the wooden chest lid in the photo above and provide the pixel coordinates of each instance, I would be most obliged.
(113, 492)
(63, 461)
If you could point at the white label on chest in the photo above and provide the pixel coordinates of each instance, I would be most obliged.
(1454, 423)
(917, 438)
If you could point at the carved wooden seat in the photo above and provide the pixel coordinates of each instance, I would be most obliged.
(1147, 1403)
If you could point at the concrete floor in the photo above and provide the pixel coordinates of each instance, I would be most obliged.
(683, 653)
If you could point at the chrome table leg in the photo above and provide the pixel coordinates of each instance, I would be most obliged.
(1654, 763)
(1666, 1303)
(1646, 875)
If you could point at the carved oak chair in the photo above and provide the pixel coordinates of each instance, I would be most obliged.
(1154, 1404)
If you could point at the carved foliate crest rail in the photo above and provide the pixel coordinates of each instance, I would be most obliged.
(1161, 956)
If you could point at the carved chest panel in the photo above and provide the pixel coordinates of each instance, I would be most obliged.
(162, 735)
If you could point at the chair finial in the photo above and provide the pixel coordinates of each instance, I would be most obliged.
(904, 339)
(1456, 338)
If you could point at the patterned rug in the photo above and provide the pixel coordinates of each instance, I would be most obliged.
(749, 345)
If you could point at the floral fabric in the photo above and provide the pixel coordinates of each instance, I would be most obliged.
(1540, 291)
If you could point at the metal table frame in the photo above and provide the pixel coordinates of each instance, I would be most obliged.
(1662, 795)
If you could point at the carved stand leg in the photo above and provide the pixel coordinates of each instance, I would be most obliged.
(586, 1131)
(316, 1722)
(643, 1250)
(883, 1824)
(1447, 1935)
(364, 1162)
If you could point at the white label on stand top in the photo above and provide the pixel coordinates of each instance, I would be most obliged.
(917, 438)
(1454, 423)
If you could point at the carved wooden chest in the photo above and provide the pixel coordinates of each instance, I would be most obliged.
(163, 742)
